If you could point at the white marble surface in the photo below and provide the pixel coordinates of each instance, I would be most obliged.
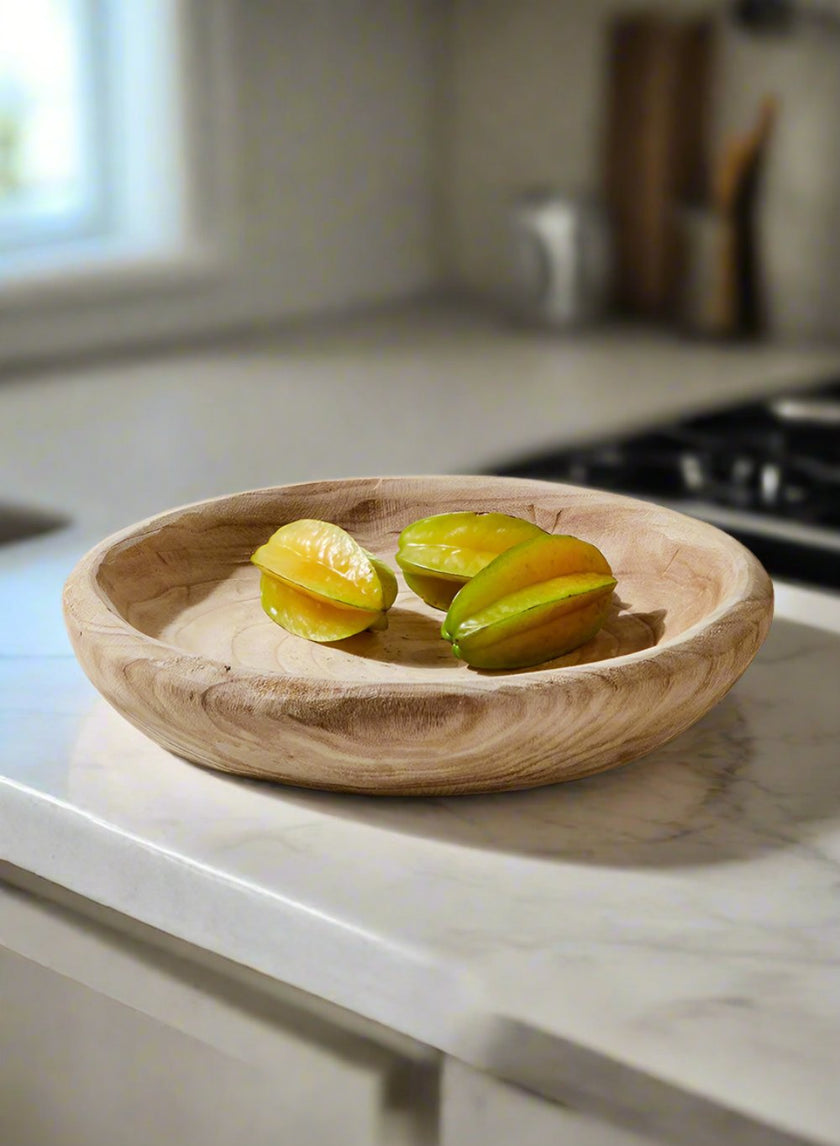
(417, 392)
(673, 925)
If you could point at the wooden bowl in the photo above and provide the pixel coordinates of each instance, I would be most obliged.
(166, 621)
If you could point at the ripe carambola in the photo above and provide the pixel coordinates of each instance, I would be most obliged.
(318, 583)
(440, 554)
(538, 600)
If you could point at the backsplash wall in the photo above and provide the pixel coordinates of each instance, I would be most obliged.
(526, 105)
(379, 143)
(338, 145)
(525, 88)
(799, 213)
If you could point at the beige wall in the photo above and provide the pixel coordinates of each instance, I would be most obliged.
(524, 109)
(336, 106)
(800, 210)
(526, 83)
(378, 144)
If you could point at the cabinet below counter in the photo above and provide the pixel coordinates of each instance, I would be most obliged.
(112, 1033)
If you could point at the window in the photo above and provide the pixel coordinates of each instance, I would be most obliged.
(51, 146)
(95, 162)
(120, 220)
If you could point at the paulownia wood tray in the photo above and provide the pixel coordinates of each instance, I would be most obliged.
(166, 621)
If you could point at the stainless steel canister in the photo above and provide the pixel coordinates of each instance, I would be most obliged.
(561, 260)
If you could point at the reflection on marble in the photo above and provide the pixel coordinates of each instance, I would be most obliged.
(669, 808)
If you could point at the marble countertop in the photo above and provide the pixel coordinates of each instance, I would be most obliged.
(661, 942)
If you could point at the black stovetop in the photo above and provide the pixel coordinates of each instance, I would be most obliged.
(766, 471)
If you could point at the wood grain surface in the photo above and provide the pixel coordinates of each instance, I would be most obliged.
(166, 621)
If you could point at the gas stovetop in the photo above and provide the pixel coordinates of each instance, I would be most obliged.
(767, 471)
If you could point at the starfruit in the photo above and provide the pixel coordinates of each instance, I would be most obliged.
(318, 582)
(440, 554)
(540, 599)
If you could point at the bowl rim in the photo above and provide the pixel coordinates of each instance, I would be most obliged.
(753, 587)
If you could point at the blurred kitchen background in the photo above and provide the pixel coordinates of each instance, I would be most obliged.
(245, 242)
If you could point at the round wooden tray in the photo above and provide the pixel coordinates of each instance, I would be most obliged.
(166, 621)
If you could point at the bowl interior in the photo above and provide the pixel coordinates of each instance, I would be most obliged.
(185, 578)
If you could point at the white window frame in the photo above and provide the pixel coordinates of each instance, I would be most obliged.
(84, 295)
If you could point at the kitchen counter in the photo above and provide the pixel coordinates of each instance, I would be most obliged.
(424, 391)
(659, 945)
